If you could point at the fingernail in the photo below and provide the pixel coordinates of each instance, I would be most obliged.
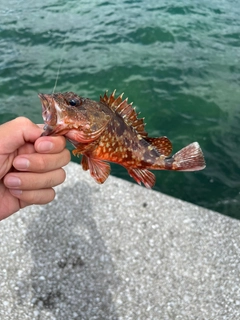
(21, 163)
(12, 182)
(15, 192)
(45, 146)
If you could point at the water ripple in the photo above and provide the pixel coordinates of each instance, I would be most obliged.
(178, 62)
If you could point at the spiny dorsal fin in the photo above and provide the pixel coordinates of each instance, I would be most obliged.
(126, 111)
(162, 144)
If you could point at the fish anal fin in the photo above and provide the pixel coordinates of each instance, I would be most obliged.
(99, 169)
(162, 144)
(143, 176)
(126, 111)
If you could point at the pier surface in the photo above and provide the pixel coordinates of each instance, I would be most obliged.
(118, 251)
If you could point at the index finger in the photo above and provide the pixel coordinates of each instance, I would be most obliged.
(16, 133)
(41, 125)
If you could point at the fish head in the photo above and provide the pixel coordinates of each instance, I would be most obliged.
(75, 117)
(61, 112)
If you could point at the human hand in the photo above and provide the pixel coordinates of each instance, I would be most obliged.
(30, 165)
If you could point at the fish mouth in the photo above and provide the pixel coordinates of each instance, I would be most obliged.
(58, 118)
(49, 112)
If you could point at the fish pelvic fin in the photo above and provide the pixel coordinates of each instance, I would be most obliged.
(99, 169)
(143, 176)
(189, 158)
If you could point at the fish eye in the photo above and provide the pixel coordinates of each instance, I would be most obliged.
(72, 102)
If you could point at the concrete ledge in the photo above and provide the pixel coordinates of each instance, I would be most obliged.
(118, 251)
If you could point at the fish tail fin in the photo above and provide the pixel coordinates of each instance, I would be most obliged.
(189, 158)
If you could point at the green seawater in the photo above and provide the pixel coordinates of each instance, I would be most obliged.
(178, 61)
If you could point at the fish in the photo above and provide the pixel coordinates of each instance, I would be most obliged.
(111, 131)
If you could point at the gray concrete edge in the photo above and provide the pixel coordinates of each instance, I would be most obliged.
(118, 251)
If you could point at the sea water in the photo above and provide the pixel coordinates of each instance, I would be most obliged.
(178, 61)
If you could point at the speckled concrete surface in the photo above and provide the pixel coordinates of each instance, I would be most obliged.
(118, 251)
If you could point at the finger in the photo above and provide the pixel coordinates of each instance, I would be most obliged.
(22, 181)
(29, 197)
(49, 144)
(37, 162)
(41, 125)
(16, 133)
(26, 148)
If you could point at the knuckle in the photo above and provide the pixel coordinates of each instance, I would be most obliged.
(42, 163)
(23, 121)
(62, 141)
(29, 196)
(54, 178)
(64, 175)
(67, 156)
(48, 183)
(42, 196)
(47, 196)
(61, 176)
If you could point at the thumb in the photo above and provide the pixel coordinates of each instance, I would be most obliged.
(16, 133)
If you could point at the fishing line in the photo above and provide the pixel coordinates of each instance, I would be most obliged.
(60, 65)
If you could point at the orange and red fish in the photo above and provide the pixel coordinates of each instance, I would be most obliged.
(110, 131)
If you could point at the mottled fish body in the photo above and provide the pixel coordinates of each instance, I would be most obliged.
(110, 131)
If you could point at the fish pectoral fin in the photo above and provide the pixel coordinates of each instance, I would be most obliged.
(99, 169)
(162, 144)
(77, 152)
(84, 163)
(81, 148)
(143, 175)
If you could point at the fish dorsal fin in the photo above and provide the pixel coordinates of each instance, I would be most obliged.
(126, 111)
(162, 144)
